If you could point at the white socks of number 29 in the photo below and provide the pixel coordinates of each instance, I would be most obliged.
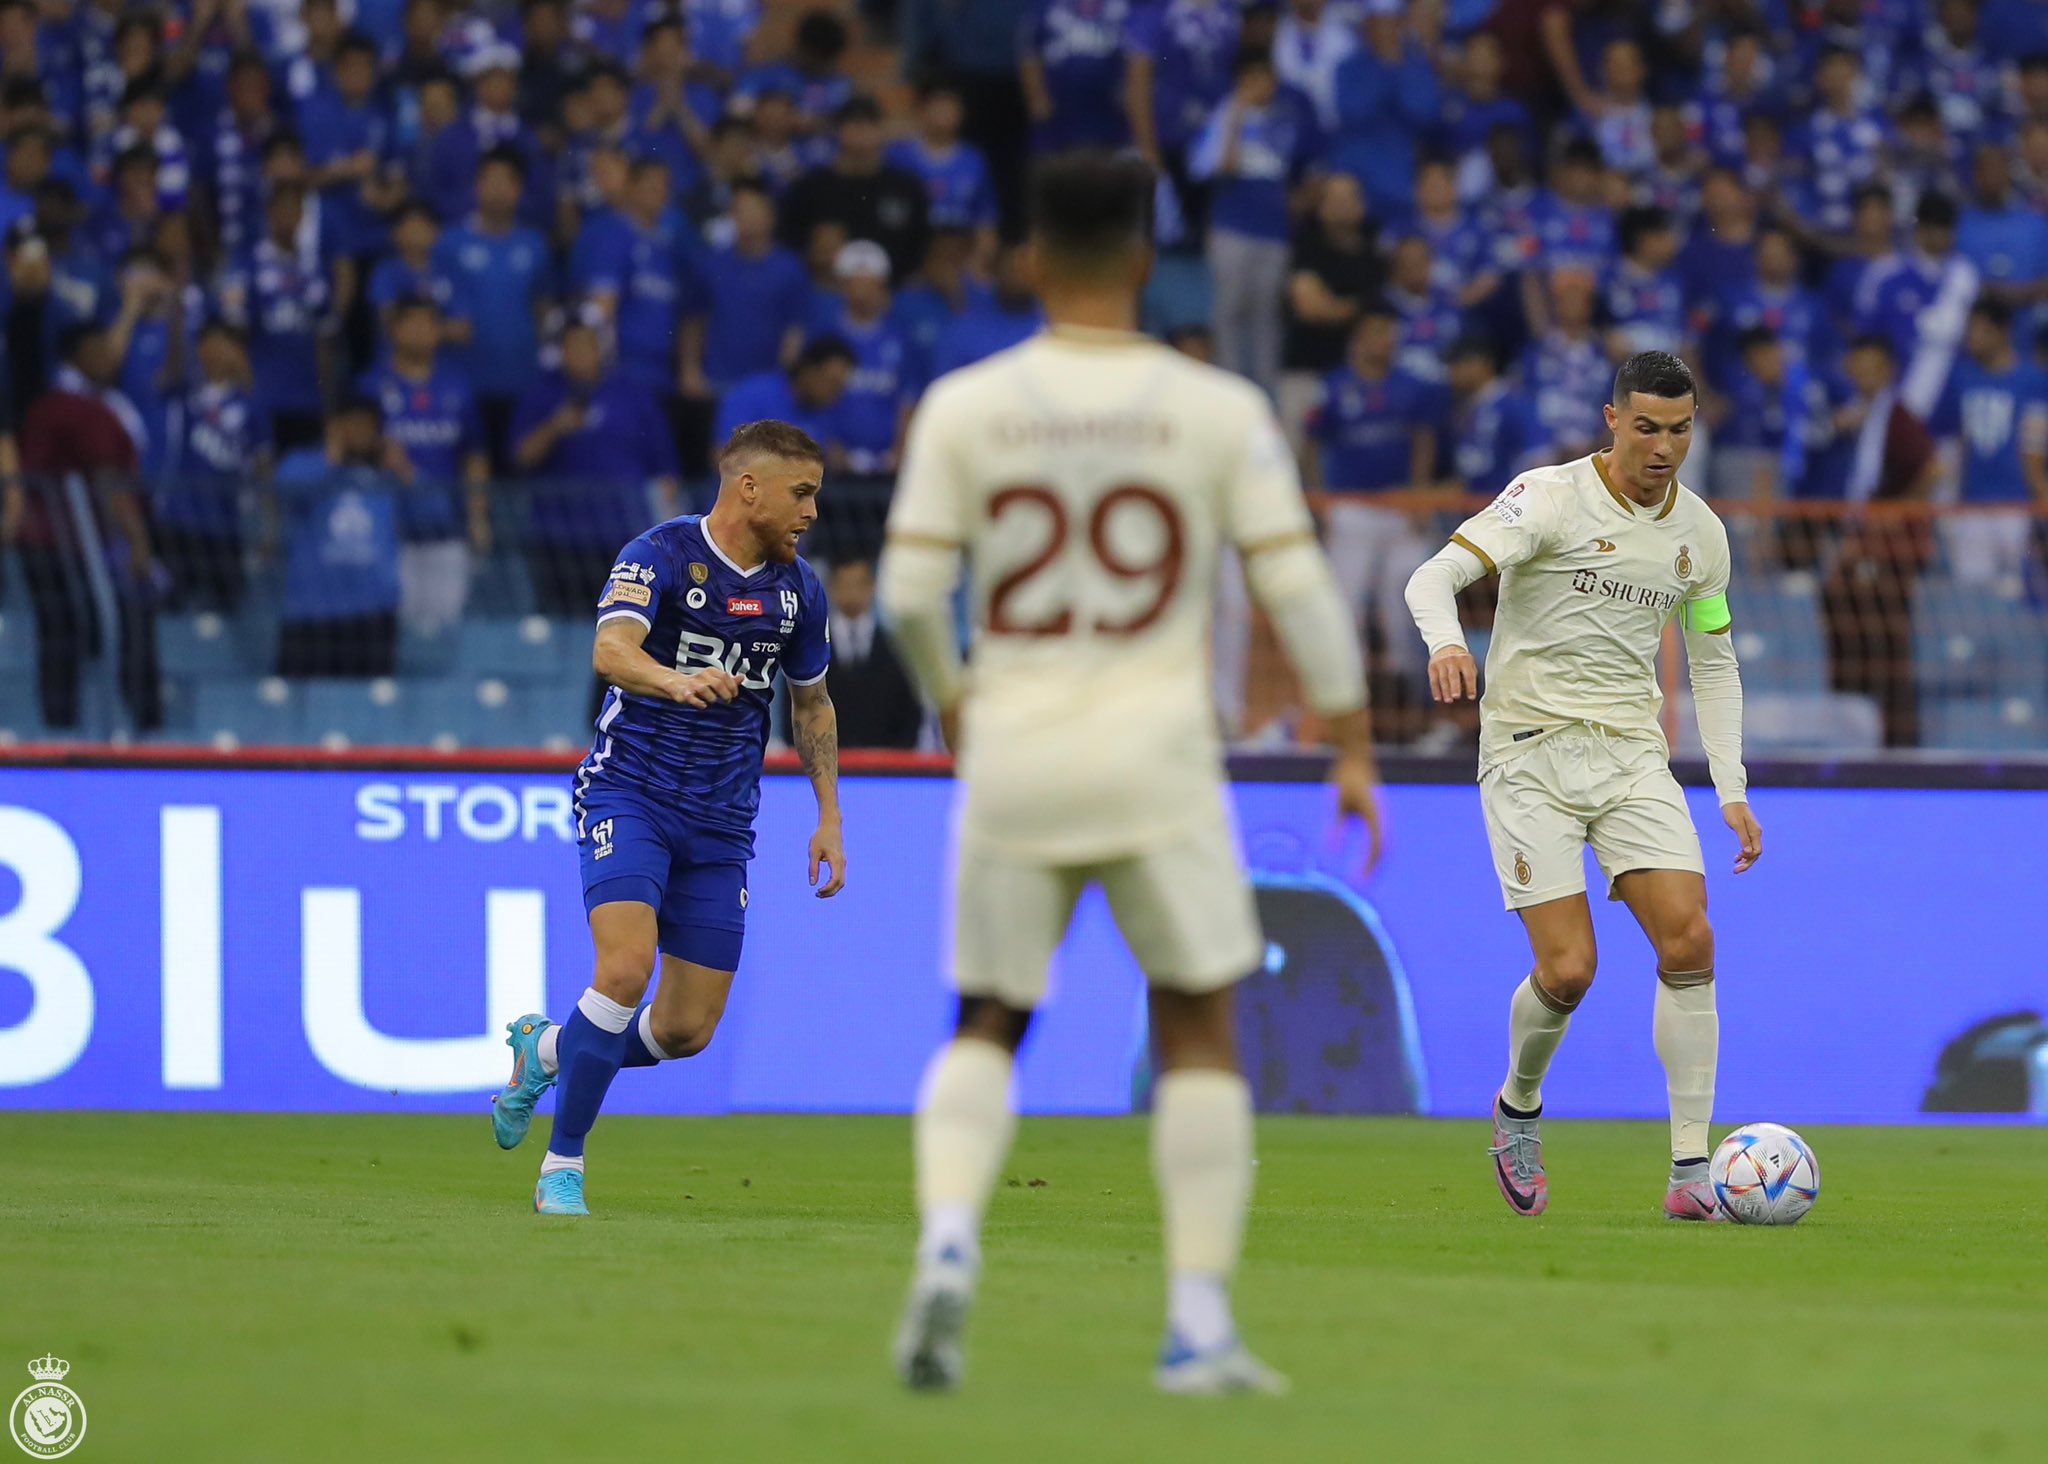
(1201, 1156)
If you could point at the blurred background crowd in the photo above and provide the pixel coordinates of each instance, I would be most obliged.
(346, 340)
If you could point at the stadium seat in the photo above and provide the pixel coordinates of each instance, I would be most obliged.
(500, 586)
(1778, 634)
(370, 713)
(205, 644)
(467, 712)
(1778, 722)
(17, 642)
(1178, 294)
(1977, 641)
(1985, 724)
(529, 649)
(428, 655)
(21, 718)
(247, 710)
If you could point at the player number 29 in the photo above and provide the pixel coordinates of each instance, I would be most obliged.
(1159, 571)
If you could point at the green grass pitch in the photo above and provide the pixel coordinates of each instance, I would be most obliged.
(295, 1290)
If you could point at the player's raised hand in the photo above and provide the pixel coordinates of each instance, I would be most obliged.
(707, 687)
(828, 854)
(1453, 675)
(1747, 829)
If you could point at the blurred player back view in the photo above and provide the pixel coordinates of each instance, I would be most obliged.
(1091, 477)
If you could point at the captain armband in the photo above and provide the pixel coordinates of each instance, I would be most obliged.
(1709, 616)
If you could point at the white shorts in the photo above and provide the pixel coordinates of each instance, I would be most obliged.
(1185, 910)
(1580, 787)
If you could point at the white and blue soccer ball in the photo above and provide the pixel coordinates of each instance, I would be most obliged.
(1764, 1174)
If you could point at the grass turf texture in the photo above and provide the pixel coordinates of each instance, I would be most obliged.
(234, 1288)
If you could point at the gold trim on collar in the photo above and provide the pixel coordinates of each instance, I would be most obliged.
(1095, 335)
(1629, 504)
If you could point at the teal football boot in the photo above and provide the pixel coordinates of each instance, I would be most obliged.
(512, 1110)
(560, 1193)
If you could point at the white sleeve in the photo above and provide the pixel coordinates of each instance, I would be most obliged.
(920, 566)
(1262, 499)
(1717, 702)
(1433, 596)
(1511, 530)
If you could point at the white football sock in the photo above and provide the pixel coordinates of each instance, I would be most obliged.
(1687, 1030)
(548, 1047)
(965, 1122)
(1536, 1025)
(1202, 1158)
(552, 1162)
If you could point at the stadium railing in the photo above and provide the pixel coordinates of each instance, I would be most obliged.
(266, 619)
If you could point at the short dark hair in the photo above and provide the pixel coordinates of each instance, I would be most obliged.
(1581, 152)
(775, 439)
(361, 404)
(1251, 58)
(1088, 205)
(857, 108)
(503, 155)
(412, 301)
(357, 43)
(215, 325)
(1469, 345)
(822, 34)
(76, 337)
(415, 207)
(1655, 374)
(820, 349)
(1936, 211)
(1994, 310)
(1871, 340)
(1755, 336)
(1639, 222)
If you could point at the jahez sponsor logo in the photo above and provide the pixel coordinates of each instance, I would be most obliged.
(736, 606)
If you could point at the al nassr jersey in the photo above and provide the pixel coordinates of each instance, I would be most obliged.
(1588, 581)
(701, 609)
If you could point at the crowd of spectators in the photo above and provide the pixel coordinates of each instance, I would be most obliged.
(336, 274)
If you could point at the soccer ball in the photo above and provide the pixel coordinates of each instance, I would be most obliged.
(1764, 1174)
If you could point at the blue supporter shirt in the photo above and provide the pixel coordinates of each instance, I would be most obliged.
(1192, 44)
(1891, 297)
(769, 397)
(331, 129)
(980, 331)
(1275, 144)
(437, 424)
(700, 610)
(341, 539)
(598, 477)
(1081, 45)
(884, 378)
(1792, 314)
(393, 280)
(218, 433)
(1997, 415)
(2009, 246)
(648, 272)
(923, 313)
(1648, 309)
(1843, 153)
(957, 186)
(1570, 381)
(499, 279)
(1573, 236)
(283, 304)
(1429, 323)
(750, 304)
(1491, 437)
(1367, 429)
(720, 30)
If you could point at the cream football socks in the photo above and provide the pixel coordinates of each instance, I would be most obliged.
(1537, 1022)
(1687, 1030)
(1202, 1158)
(965, 1122)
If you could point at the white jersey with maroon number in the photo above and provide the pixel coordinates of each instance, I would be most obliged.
(1092, 478)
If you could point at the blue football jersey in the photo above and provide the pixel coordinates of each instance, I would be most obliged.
(700, 610)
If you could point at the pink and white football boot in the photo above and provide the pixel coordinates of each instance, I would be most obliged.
(1517, 1152)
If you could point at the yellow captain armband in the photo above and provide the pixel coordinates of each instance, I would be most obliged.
(1709, 615)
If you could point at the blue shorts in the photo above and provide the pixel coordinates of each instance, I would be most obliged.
(631, 848)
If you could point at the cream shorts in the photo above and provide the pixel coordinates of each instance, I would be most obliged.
(1578, 787)
(1184, 908)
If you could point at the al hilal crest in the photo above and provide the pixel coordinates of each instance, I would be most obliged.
(48, 1419)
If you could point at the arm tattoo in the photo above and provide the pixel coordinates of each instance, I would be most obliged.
(817, 735)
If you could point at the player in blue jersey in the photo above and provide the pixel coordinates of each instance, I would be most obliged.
(694, 621)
